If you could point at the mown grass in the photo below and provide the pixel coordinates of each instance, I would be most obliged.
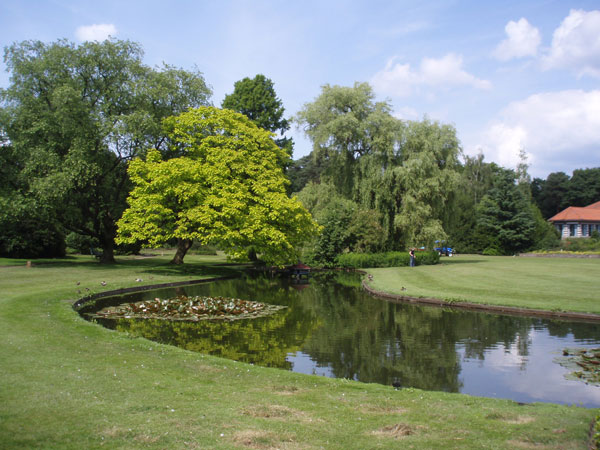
(69, 384)
(554, 284)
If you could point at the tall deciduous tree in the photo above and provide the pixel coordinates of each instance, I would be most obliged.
(256, 99)
(77, 114)
(403, 170)
(345, 124)
(227, 189)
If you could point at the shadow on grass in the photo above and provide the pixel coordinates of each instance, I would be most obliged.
(460, 260)
(157, 266)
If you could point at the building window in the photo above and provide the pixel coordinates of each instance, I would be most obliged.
(572, 230)
(584, 230)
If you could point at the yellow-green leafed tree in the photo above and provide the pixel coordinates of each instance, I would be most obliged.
(224, 186)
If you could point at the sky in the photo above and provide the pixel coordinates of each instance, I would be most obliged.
(508, 75)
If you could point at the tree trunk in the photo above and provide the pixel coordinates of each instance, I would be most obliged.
(107, 240)
(108, 254)
(183, 245)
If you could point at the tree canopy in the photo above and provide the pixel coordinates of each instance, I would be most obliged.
(74, 115)
(226, 188)
(256, 99)
(402, 171)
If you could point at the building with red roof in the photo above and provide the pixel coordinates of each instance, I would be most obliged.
(577, 221)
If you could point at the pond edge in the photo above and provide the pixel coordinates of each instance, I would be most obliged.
(498, 309)
(82, 301)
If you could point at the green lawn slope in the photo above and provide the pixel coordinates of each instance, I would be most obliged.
(553, 284)
(69, 384)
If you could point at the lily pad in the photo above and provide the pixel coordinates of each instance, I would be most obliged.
(584, 363)
(189, 308)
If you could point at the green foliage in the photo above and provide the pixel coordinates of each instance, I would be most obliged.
(256, 99)
(344, 124)
(559, 191)
(388, 259)
(227, 189)
(346, 227)
(201, 249)
(578, 245)
(505, 221)
(552, 194)
(82, 244)
(75, 115)
(475, 180)
(28, 232)
(545, 235)
(303, 171)
(404, 171)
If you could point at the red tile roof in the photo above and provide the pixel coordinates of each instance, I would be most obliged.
(590, 213)
(594, 205)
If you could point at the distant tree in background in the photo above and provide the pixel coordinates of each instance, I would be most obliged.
(505, 223)
(475, 180)
(584, 187)
(345, 124)
(405, 171)
(559, 191)
(73, 116)
(551, 195)
(256, 99)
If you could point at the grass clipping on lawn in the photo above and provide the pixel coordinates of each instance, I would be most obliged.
(191, 309)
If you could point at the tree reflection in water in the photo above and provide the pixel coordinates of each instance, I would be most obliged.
(356, 336)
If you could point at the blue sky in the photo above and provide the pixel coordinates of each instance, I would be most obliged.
(507, 74)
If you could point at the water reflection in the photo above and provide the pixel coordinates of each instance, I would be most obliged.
(333, 328)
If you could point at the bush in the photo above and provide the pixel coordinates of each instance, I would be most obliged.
(80, 243)
(200, 249)
(389, 259)
(492, 251)
(580, 244)
(25, 233)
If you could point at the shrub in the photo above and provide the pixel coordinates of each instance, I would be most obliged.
(80, 243)
(389, 259)
(201, 249)
(492, 251)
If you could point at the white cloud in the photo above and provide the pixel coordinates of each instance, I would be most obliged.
(576, 44)
(401, 80)
(522, 40)
(406, 113)
(96, 32)
(560, 131)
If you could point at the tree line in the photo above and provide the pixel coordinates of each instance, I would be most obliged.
(99, 150)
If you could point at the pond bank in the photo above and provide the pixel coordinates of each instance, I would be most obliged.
(551, 286)
(586, 317)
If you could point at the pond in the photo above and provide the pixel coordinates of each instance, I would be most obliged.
(332, 327)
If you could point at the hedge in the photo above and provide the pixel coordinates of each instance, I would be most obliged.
(389, 259)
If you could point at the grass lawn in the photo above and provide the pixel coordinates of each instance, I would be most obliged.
(69, 384)
(563, 284)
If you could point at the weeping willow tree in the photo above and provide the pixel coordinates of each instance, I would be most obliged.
(403, 170)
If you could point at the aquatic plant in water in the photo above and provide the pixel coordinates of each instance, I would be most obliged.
(584, 363)
(189, 308)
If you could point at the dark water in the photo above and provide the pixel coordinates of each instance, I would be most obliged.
(331, 327)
